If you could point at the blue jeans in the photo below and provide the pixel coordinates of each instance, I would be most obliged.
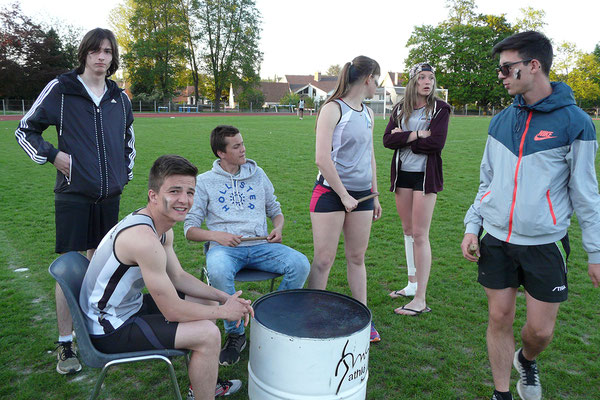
(222, 263)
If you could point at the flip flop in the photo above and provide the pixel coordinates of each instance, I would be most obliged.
(396, 293)
(416, 312)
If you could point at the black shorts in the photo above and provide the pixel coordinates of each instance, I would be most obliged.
(81, 223)
(325, 199)
(410, 180)
(542, 269)
(145, 330)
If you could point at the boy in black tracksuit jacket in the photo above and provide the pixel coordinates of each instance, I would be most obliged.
(100, 140)
(94, 159)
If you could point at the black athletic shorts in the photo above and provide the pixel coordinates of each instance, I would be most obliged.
(145, 330)
(81, 223)
(325, 199)
(542, 269)
(410, 180)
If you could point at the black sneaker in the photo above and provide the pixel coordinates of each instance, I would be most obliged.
(230, 353)
(67, 358)
(498, 396)
(529, 386)
(224, 388)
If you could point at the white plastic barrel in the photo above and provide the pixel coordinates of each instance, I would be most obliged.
(308, 344)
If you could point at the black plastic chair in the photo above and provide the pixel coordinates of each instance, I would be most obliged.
(69, 270)
(245, 274)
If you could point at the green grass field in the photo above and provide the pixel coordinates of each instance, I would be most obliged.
(441, 355)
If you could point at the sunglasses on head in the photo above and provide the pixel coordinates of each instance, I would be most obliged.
(505, 68)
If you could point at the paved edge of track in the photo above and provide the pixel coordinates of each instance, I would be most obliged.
(178, 115)
(207, 114)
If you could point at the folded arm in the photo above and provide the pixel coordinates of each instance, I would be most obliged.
(394, 137)
(438, 132)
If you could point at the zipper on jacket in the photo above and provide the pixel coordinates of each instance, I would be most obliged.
(425, 176)
(435, 111)
(397, 153)
(514, 196)
(70, 169)
(62, 104)
(551, 208)
(102, 159)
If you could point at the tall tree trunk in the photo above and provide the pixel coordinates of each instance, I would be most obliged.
(190, 43)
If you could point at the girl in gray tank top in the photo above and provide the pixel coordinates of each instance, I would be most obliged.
(344, 156)
(352, 145)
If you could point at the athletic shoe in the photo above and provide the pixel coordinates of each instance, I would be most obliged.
(529, 386)
(224, 388)
(230, 353)
(497, 396)
(375, 337)
(67, 358)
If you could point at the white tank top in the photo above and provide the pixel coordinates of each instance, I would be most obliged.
(419, 121)
(112, 291)
(352, 144)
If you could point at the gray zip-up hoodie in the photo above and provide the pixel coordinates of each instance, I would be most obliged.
(237, 204)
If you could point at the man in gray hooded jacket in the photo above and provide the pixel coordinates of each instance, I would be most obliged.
(234, 200)
(537, 169)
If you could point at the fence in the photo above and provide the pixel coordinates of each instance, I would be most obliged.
(18, 107)
(22, 106)
(475, 111)
(490, 112)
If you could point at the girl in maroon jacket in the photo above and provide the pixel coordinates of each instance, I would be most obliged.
(417, 133)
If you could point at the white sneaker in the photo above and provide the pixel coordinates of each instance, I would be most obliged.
(529, 386)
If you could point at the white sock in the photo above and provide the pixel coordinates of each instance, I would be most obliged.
(410, 255)
(67, 338)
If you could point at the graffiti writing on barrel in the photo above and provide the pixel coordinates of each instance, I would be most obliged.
(355, 366)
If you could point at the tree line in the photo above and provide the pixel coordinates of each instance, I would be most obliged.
(32, 54)
(210, 44)
(165, 45)
(460, 49)
(169, 44)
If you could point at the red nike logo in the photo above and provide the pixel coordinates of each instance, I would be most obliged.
(543, 135)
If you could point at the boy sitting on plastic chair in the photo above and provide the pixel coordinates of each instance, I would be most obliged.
(180, 310)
